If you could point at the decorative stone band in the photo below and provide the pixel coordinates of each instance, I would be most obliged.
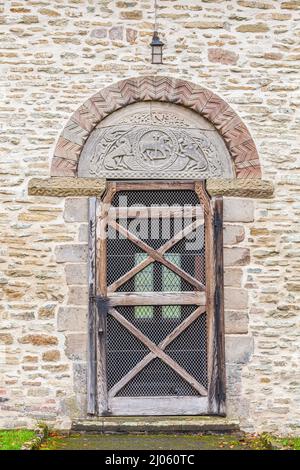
(66, 186)
(242, 187)
(234, 132)
(69, 186)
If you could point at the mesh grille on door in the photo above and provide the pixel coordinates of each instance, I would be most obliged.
(188, 349)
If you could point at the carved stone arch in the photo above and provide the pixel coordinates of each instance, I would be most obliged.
(215, 117)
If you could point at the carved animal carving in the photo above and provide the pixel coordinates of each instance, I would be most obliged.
(153, 148)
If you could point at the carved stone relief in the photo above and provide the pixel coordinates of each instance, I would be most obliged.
(155, 140)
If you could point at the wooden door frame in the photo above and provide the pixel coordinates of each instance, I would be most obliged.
(213, 214)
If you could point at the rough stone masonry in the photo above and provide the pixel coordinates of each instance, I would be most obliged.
(56, 54)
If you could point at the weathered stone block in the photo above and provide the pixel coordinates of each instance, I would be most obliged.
(236, 256)
(47, 311)
(235, 299)
(38, 392)
(116, 33)
(48, 12)
(240, 188)
(22, 315)
(76, 345)
(255, 4)
(71, 253)
(132, 14)
(99, 33)
(233, 234)
(131, 35)
(66, 186)
(238, 349)
(6, 338)
(83, 233)
(72, 319)
(29, 19)
(79, 376)
(233, 277)
(51, 356)
(253, 28)
(293, 5)
(238, 210)
(76, 273)
(56, 368)
(222, 56)
(233, 378)
(204, 25)
(76, 209)
(30, 358)
(78, 295)
(38, 340)
(236, 322)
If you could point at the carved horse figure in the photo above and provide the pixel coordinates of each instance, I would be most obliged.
(156, 145)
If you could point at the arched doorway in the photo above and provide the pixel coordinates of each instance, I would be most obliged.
(149, 137)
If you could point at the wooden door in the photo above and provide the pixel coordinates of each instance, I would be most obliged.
(159, 297)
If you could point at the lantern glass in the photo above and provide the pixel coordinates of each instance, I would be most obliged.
(156, 54)
(157, 47)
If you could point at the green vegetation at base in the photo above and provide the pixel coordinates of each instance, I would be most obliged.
(237, 441)
(14, 439)
(291, 443)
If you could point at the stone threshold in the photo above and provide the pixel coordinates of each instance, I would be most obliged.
(156, 424)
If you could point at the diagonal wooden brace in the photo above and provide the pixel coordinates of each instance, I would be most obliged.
(157, 351)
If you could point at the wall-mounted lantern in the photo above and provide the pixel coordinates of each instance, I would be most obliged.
(156, 43)
(157, 46)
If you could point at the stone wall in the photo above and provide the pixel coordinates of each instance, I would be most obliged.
(55, 55)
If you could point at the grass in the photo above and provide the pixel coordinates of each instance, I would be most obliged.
(57, 441)
(268, 441)
(292, 443)
(142, 441)
(14, 439)
(54, 441)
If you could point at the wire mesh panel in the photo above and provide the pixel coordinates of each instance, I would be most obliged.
(156, 349)
(157, 379)
(148, 198)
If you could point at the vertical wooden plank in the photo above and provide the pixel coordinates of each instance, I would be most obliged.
(213, 215)
(205, 201)
(217, 388)
(92, 343)
(101, 320)
(102, 303)
(210, 287)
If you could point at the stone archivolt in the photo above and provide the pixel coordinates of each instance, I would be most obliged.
(234, 133)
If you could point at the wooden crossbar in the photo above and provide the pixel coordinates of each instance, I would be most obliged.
(162, 345)
(156, 255)
(158, 352)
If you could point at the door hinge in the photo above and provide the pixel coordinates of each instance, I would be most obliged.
(102, 304)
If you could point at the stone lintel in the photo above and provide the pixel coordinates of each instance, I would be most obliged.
(72, 186)
(66, 186)
(241, 187)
